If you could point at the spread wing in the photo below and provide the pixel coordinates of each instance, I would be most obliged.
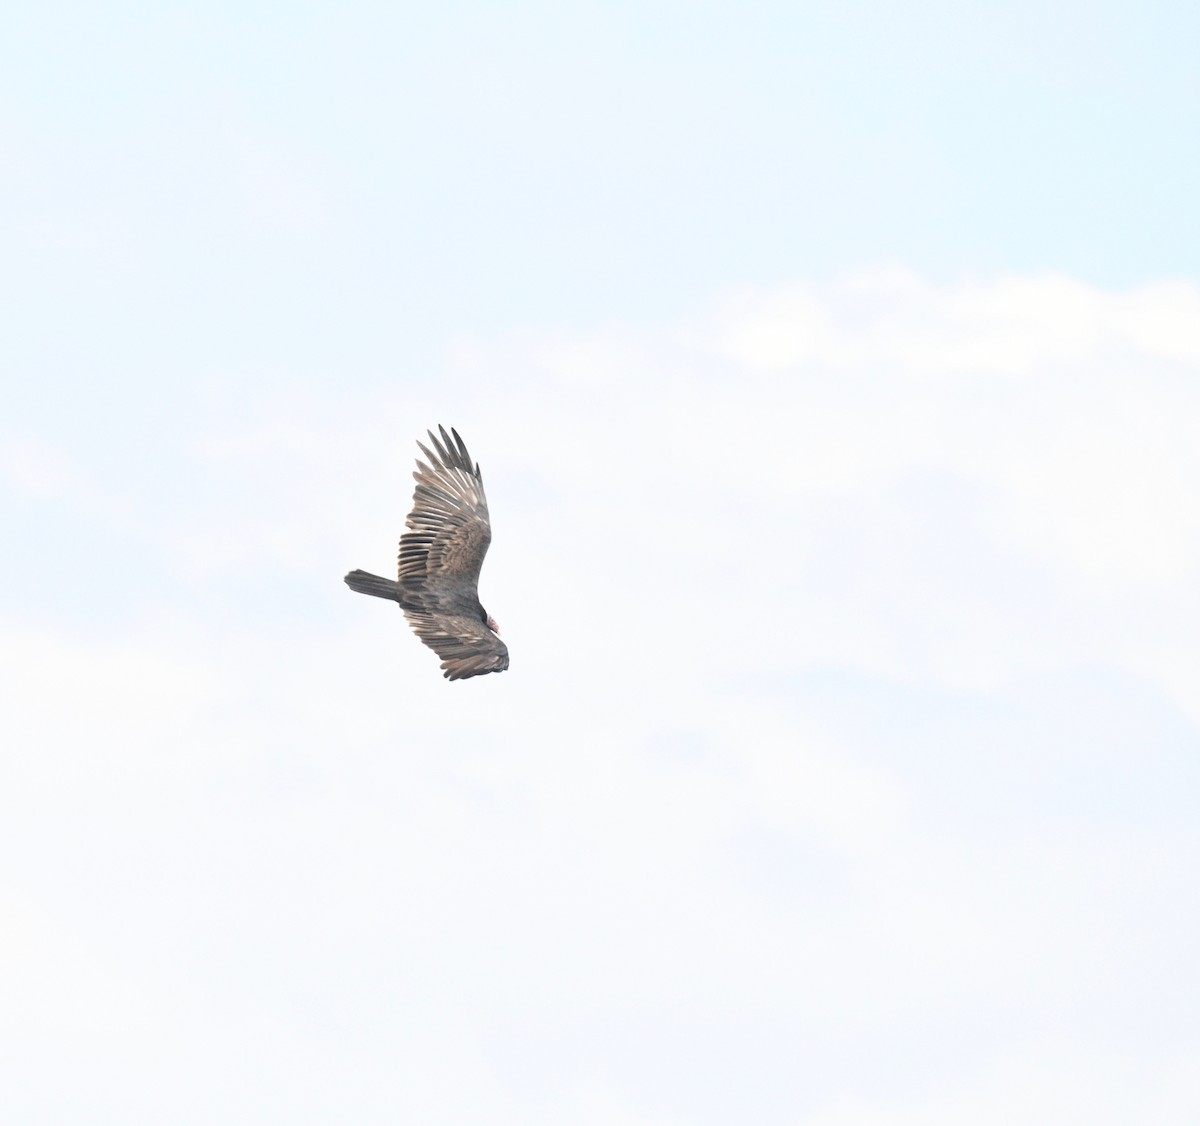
(449, 531)
(440, 558)
(465, 644)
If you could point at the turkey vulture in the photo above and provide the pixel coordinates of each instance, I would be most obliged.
(440, 558)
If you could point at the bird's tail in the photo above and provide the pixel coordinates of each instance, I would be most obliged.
(365, 583)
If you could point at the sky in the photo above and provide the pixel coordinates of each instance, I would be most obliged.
(834, 370)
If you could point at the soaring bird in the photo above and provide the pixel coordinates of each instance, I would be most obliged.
(440, 558)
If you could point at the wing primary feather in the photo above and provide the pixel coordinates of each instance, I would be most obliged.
(440, 557)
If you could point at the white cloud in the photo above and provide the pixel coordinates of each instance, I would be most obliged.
(1048, 1081)
(764, 784)
(32, 470)
(1164, 319)
(893, 321)
(945, 482)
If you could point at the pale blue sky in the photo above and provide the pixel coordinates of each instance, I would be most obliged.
(240, 169)
(835, 372)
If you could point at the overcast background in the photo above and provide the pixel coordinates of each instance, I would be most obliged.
(834, 372)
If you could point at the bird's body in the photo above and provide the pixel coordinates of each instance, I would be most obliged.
(440, 558)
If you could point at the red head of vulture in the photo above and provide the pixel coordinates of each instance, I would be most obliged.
(440, 557)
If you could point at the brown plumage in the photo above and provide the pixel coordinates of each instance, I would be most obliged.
(440, 558)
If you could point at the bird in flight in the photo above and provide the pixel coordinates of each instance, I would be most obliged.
(440, 557)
